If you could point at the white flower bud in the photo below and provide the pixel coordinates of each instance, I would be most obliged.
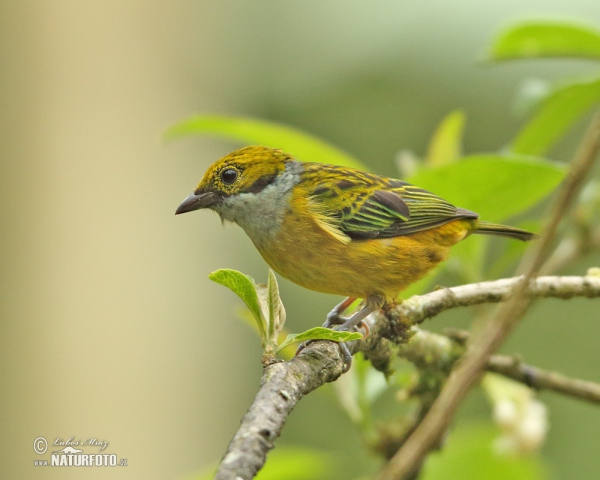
(533, 427)
(506, 414)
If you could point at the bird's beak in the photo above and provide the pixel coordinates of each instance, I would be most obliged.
(196, 202)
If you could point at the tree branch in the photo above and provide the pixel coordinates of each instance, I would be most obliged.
(284, 384)
(421, 307)
(432, 350)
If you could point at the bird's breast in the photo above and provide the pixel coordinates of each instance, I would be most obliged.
(308, 255)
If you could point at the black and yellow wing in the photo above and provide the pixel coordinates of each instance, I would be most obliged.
(359, 205)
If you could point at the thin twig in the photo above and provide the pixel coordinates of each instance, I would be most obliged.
(429, 433)
(542, 379)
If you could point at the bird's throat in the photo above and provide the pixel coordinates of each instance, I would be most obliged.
(261, 214)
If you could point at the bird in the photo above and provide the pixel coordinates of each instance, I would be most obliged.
(336, 229)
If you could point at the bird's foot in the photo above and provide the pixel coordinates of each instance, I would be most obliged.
(354, 323)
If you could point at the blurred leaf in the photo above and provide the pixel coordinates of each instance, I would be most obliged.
(497, 187)
(468, 455)
(373, 383)
(296, 463)
(206, 475)
(531, 93)
(546, 39)
(291, 463)
(302, 145)
(446, 144)
(246, 316)
(320, 333)
(288, 351)
(468, 259)
(555, 115)
(245, 288)
(358, 389)
(346, 390)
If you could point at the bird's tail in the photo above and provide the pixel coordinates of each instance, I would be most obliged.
(488, 228)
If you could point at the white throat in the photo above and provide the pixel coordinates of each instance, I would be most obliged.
(260, 214)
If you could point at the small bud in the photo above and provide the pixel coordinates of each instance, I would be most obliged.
(407, 163)
(593, 272)
(523, 420)
(532, 429)
(506, 415)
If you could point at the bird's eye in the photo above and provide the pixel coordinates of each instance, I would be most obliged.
(229, 175)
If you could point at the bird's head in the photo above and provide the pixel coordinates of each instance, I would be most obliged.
(248, 170)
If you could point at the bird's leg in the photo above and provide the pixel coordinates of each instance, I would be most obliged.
(351, 324)
(355, 322)
(334, 317)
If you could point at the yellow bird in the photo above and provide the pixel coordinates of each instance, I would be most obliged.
(336, 229)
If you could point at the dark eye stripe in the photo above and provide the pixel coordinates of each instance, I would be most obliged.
(262, 183)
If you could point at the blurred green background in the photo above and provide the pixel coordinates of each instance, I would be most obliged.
(110, 326)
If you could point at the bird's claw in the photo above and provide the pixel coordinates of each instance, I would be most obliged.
(335, 321)
(362, 327)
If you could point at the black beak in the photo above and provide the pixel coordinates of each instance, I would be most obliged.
(196, 202)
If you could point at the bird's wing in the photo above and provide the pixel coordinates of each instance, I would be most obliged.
(362, 206)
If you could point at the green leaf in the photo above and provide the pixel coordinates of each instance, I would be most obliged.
(468, 258)
(555, 115)
(320, 333)
(297, 463)
(302, 145)
(245, 288)
(446, 144)
(276, 309)
(497, 187)
(468, 455)
(372, 383)
(546, 39)
(358, 389)
(290, 463)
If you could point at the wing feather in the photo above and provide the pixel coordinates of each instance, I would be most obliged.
(350, 204)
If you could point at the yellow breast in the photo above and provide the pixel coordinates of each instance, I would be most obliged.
(307, 254)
